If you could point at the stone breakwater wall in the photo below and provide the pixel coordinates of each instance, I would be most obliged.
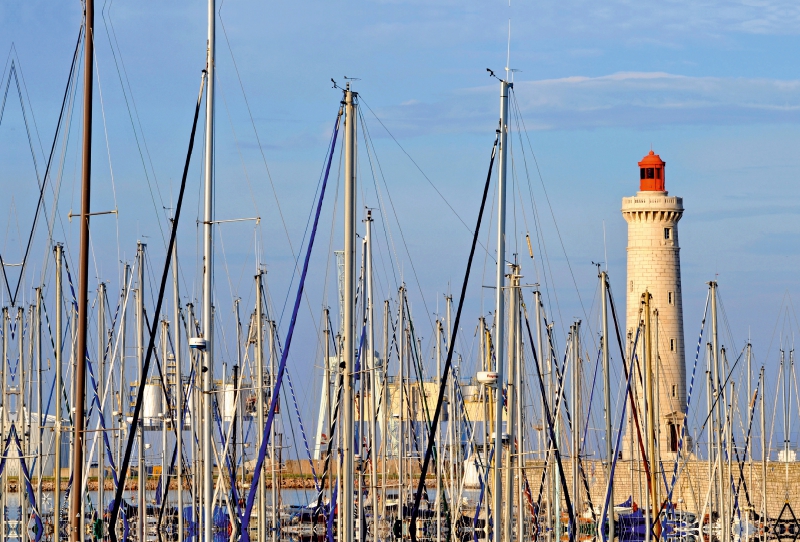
(692, 483)
(690, 492)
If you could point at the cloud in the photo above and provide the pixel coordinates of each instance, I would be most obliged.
(684, 16)
(619, 19)
(625, 99)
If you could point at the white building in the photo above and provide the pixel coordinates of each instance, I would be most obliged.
(28, 434)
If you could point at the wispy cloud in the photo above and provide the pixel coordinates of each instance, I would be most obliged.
(626, 99)
(618, 19)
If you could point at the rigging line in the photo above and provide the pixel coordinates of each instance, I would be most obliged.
(487, 255)
(321, 180)
(333, 229)
(610, 482)
(46, 174)
(289, 335)
(8, 59)
(553, 441)
(533, 204)
(689, 398)
(723, 385)
(27, 95)
(388, 240)
(402, 236)
(25, 121)
(225, 261)
(420, 170)
(518, 112)
(631, 368)
(5, 93)
(151, 340)
(71, 92)
(449, 361)
(386, 230)
(239, 151)
(117, 62)
(108, 153)
(247, 177)
(514, 184)
(258, 140)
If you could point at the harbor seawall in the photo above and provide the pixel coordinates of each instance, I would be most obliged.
(691, 486)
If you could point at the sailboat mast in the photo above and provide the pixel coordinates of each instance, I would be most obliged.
(176, 314)
(101, 333)
(76, 529)
(651, 406)
(511, 406)
(576, 411)
(373, 378)
(718, 390)
(5, 404)
(607, 403)
(122, 350)
(519, 383)
(349, 312)
(401, 435)
(438, 433)
(764, 454)
(142, 475)
(208, 272)
(22, 406)
(41, 419)
(499, 316)
(59, 386)
(259, 387)
(750, 402)
(386, 407)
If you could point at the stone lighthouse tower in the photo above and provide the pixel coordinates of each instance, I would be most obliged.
(654, 266)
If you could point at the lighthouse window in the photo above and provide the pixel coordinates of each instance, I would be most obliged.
(647, 173)
(674, 431)
(667, 233)
(631, 286)
(673, 390)
(658, 173)
(672, 345)
(670, 298)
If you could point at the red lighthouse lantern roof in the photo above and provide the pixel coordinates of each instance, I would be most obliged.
(651, 173)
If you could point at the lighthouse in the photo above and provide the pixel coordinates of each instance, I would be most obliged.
(654, 269)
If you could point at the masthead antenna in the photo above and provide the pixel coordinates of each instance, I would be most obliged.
(508, 50)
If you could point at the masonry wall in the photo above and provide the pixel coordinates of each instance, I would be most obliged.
(692, 485)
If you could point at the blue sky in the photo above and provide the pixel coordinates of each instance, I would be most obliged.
(712, 86)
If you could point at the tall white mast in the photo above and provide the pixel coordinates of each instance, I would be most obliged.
(373, 378)
(208, 272)
(438, 433)
(511, 404)
(101, 376)
(141, 477)
(349, 311)
(5, 416)
(499, 317)
(519, 415)
(259, 361)
(59, 360)
(576, 410)
(122, 416)
(176, 315)
(607, 401)
(41, 425)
